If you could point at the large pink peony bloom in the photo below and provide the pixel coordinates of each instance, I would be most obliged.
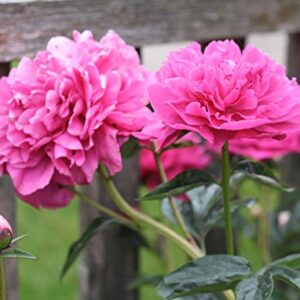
(174, 161)
(67, 110)
(226, 94)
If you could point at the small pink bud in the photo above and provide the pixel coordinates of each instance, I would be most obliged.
(5, 233)
(283, 218)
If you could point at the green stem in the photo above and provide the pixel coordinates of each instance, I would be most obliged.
(175, 210)
(226, 196)
(104, 209)
(142, 218)
(165, 254)
(264, 229)
(2, 281)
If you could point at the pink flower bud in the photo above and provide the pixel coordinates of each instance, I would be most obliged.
(5, 233)
(283, 218)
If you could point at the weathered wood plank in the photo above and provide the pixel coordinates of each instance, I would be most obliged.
(110, 261)
(291, 163)
(25, 26)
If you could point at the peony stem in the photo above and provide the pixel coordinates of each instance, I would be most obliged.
(105, 210)
(139, 217)
(226, 196)
(264, 230)
(175, 210)
(2, 281)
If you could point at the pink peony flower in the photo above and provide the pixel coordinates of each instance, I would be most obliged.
(5, 233)
(226, 94)
(174, 161)
(67, 110)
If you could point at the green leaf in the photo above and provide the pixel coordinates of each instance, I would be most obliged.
(130, 148)
(260, 286)
(217, 214)
(180, 184)
(290, 261)
(257, 287)
(195, 211)
(204, 198)
(262, 174)
(18, 238)
(16, 253)
(153, 280)
(287, 275)
(184, 208)
(96, 226)
(211, 273)
(209, 296)
(203, 211)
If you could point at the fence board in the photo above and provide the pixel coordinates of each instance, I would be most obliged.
(291, 163)
(25, 26)
(110, 262)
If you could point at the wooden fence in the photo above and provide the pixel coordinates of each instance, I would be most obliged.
(25, 27)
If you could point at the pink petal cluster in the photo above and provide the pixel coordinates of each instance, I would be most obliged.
(267, 148)
(156, 133)
(67, 110)
(174, 161)
(224, 94)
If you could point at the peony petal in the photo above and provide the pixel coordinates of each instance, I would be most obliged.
(52, 196)
(108, 149)
(28, 180)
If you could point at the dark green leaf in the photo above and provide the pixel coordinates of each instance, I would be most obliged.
(203, 210)
(180, 184)
(257, 287)
(184, 208)
(204, 198)
(202, 297)
(216, 215)
(96, 226)
(16, 253)
(260, 286)
(195, 211)
(153, 280)
(130, 148)
(289, 276)
(261, 173)
(290, 261)
(211, 273)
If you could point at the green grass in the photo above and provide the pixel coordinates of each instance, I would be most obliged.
(50, 234)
